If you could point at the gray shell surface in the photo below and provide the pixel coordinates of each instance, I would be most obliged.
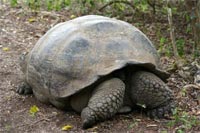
(75, 54)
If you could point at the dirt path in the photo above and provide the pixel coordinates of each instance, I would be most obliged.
(19, 31)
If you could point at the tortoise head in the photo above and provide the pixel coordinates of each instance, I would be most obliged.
(23, 61)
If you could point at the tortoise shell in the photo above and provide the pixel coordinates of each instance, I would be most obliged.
(75, 54)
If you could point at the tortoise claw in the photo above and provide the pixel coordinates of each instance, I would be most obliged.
(88, 118)
(162, 111)
(24, 89)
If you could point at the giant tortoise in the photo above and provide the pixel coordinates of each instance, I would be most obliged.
(97, 66)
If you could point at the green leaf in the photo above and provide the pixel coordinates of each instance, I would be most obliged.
(164, 131)
(13, 3)
(180, 43)
(67, 2)
(180, 131)
(162, 40)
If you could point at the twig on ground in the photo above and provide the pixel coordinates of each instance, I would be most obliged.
(191, 86)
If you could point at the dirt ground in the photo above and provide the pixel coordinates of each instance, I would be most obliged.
(19, 31)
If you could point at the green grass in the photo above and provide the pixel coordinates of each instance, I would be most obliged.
(183, 121)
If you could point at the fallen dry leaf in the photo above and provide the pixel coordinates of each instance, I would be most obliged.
(6, 49)
(72, 16)
(152, 125)
(31, 20)
(66, 127)
(33, 110)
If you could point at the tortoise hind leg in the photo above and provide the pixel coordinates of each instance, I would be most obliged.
(104, 103)
(24, 88)
(149, 90)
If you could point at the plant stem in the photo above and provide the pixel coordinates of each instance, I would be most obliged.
(172, 35)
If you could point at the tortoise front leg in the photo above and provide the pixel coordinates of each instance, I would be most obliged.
(104, 103)
(150, 91)
(24, 88)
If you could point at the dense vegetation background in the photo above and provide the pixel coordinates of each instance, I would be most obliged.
(186, 12)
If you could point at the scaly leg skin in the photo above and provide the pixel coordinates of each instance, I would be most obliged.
(24, 89)
(104, 103)
(149, 90)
